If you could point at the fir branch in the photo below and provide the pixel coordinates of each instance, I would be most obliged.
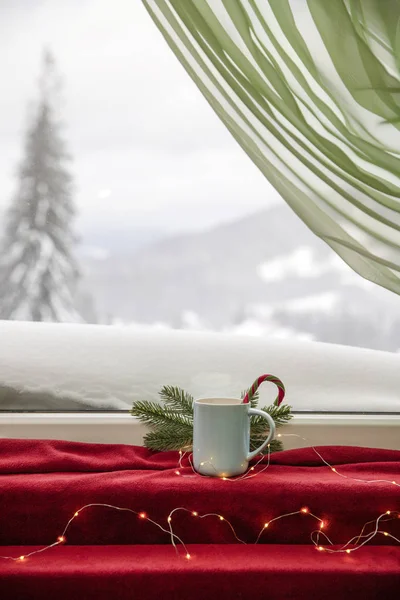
(154, 415)
(280, 414)
(162, 439)
(177, 399)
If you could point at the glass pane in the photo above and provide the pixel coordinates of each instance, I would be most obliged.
(125, 202)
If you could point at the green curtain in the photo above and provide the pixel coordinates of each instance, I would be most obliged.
(311, 91)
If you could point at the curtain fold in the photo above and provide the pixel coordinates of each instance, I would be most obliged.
(310, 89)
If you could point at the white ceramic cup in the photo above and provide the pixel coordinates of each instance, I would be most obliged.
(221, 436)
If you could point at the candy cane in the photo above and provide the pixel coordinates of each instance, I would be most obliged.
(259, 381)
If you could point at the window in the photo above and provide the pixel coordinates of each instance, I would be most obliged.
(174, 229)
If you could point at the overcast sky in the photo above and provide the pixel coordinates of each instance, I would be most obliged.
(147, 147)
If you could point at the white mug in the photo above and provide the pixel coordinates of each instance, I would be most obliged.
(221, 436)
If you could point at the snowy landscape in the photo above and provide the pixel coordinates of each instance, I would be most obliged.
(263, 274)
(124, 207)
(242, 277)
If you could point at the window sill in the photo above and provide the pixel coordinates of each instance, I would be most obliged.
(372, 430)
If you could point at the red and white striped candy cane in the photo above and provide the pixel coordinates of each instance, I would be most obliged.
(259, 381)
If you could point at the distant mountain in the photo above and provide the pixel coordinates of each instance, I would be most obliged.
(266, 270)
(103, 240)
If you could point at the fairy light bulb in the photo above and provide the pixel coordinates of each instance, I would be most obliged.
(177, 473)
(388, 512)
(224, 478)
(321, 525)
(188, 556)
(61, 539)
(169, 519)
(76, 514)
(348, 551)
(304, 510)
(320, 548)
(195, 513)
(385, 533)
(142, 515)
(221, 518)
(266, 525)
(22, 558)
(333, 469)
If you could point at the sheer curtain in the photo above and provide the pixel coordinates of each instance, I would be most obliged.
(310, 89)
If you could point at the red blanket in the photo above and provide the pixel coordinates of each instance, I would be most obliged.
(43, 483)
(53, 479)
(225, 572)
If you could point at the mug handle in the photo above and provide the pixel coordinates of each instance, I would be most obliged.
(271, 423)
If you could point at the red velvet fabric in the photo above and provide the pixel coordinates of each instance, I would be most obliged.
(45, 482)
(223, 572)
(118, 555)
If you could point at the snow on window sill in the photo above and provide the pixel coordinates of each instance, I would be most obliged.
(66, 367)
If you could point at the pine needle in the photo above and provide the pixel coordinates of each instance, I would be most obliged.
(161, 439)
(177, 399)
(154, 414)
(280, 414)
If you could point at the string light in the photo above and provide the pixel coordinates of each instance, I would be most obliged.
(220, 517)
(62, 538)
(356, 539)
(233, 479)
(333, 469)
(76, 514)
(303, 510)
(177, 472)
(314, 538)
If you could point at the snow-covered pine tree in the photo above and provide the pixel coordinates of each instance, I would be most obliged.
(38, 271)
